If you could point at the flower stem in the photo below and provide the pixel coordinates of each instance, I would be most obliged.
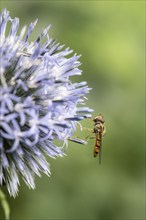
(5, 205)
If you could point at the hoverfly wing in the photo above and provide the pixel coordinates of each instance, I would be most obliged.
(100, 151)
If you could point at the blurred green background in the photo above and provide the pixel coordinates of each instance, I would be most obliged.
(110, 35)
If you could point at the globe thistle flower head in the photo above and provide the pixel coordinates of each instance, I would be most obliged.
(38, 102)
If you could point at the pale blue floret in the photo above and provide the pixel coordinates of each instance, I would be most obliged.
(38, 102)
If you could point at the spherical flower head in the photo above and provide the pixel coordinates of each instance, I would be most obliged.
(38, 102)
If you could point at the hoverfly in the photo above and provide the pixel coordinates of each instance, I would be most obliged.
(98, 131)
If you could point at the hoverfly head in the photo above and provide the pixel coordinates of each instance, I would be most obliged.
(99, 119)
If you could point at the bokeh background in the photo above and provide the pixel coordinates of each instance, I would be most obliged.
(110, 35)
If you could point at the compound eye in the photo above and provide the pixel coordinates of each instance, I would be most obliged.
(103, 120)
(95, 119)
(99, 119)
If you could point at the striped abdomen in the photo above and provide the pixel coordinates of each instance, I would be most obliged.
(97, 146)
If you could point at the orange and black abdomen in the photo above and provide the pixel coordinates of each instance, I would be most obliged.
(98, 131)
(97, 145)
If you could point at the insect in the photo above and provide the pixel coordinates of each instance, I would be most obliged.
(98, 131)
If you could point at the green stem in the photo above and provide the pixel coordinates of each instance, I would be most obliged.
(5, 205)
